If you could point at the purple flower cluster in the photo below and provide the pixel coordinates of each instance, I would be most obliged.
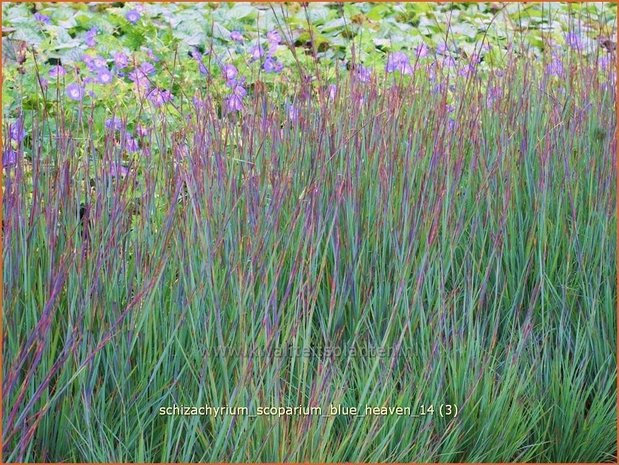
(147, 68)
(421, 51)
(574, 41)
(75, 91)
(17, 131)
(236, 36)
(362, 74)
(98, 66)
(118, 171)
(398, 61)
(89, 38)
(121, 60)
(469, 69)
(293, 112)
(117, 125)
(230, 72)
(140, 77)
(257, 52)
(9, 157)
(133, 16)
(57, 71)
(142, 131)
(272, 65)
(555, 67)
(151, 55)
(104, 76)
(94, 63)
(42, 18)
(159, 97)
(233, 102)
(495, 93)
(196, 55)
(274, 39)
(332, 92)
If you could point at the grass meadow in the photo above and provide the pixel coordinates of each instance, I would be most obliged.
(277, 208)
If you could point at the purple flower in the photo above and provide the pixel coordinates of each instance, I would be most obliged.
(256, 52)
(421, 51)
(196, 55)
(439, 88)
(555, 67)
(398, 61)
(229, 72)
(469, 69)
(121, 60)
(16, 130)
(605, 61)
(118, 170)
(293, 113)
(138, 76)
(104, 76)
(494, 94)
(114, 123)
(99, 62)
(87, 59)
(159, 97)
(9, 157)
(362, 73)
(271, 65)
(233, 103)
(131, 144)
(142, 131)
(132, 16)
(42, 18)
(89, 38)
(237, 89)
(449, 62)
(94, 63)
(442, 48)
(147, 68)
(236, 36)
(574, 41)
(332, 90)
(150, 54)
(198, 102)
(274, 37)
(75, 91)
(57, 71)
(141, 81)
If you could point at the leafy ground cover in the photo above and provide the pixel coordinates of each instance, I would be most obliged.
(187, 189)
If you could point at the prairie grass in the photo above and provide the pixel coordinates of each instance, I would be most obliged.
(463, 224)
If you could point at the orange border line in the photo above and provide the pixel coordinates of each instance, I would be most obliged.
(313, 1)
